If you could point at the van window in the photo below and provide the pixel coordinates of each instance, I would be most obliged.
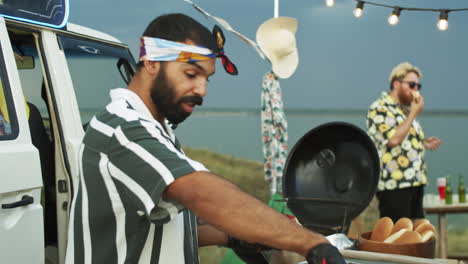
(94, 69)
(8, 121)
(31, 75)
(5, 122)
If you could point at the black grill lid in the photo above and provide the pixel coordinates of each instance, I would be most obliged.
(330, 176)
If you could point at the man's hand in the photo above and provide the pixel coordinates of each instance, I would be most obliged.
(248, 252)
(325, 254)
(432, 143)
(417, 104)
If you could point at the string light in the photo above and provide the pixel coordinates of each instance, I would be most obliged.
(358, 10)
(330, 3)
(393, 19)
(395, 16)
(443, 20)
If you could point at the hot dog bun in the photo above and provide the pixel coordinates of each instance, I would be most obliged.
(427, 235)
(419, 222)
(395, 236)
(424, 227)
(382, 229)
(408, 237)
(402, 223)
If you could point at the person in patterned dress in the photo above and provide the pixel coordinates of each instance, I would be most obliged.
(400, 141)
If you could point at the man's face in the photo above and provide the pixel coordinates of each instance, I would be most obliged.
(179, 86)
(405, 92)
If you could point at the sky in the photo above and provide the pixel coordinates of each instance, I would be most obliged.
(344, 62)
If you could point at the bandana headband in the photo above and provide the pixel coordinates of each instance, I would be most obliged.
(156, 49)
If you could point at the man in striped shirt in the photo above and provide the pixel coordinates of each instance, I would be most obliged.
(139, 196)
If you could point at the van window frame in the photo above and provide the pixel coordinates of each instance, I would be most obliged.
(113, 47)
(9, 99)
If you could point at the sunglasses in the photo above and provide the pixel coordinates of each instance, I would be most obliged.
(413, 84)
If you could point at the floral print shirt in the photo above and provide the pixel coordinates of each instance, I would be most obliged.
(402, 166)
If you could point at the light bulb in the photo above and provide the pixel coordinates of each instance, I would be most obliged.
(330, 3)
(394, 17)
(358, 10)
(443, 20)
(442, 24)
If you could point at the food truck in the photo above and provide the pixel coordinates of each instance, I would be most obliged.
(53, 76)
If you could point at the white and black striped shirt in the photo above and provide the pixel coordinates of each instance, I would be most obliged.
(127, 160)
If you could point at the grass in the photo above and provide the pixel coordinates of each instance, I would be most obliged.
(248, 175)
(458, 243)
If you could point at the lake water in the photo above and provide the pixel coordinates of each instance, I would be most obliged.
(237, 133)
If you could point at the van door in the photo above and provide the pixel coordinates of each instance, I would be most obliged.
(81, 70)
(21, 214)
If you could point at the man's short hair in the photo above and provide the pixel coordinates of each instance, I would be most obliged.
(180, 28)
(401, 70)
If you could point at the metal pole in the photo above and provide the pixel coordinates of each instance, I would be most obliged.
(276, 8)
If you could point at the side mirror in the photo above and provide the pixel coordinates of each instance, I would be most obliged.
(125, 70)
(24, 62)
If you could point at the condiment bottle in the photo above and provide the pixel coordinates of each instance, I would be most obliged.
(461, 190)
(448, 192)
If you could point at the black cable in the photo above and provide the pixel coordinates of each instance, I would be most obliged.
(413, 8)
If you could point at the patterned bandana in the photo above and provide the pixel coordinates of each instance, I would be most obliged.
(156, 49)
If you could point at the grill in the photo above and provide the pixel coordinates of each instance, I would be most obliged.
(330, 177)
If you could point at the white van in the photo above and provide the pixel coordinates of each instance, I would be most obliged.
(53, 78)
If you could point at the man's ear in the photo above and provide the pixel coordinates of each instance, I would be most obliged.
(152, 67)
(395, 84)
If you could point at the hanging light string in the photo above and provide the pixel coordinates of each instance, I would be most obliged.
(393, 19)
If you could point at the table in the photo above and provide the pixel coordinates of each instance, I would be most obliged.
(366, 257)
(433, 205)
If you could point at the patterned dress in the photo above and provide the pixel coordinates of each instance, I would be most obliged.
(402, 166)
(274, 132)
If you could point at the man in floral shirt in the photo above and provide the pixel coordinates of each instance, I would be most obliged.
(399, 138)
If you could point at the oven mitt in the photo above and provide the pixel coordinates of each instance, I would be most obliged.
(325, 254)
(249, 253)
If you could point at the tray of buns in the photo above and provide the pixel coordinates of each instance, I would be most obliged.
(403, 238)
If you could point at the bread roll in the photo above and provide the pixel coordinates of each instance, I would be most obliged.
(395, 236)
(402, 223)
(427, 235)
(408, 237)
(419, 222)
(424, 227)
(416, 96)
(382, 229)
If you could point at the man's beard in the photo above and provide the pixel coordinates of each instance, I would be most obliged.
(404, 99)
(163, 96)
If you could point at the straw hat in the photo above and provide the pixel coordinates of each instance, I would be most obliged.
(276, 38)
